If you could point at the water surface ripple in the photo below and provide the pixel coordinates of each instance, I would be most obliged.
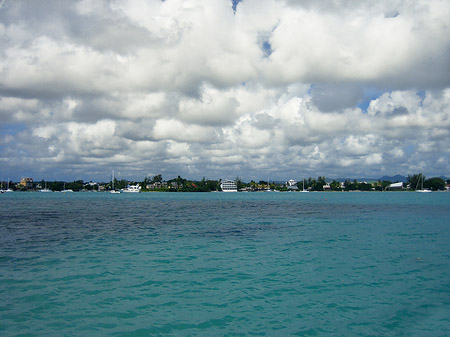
(225, 264)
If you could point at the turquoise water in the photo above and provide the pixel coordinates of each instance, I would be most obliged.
(225, 264)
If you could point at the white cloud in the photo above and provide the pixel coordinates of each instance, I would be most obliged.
(188, 87)
(215, 107)
(141, 105)
(170, 129)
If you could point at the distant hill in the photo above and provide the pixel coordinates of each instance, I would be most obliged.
(393, 179)
(396, 178)
(404, 179)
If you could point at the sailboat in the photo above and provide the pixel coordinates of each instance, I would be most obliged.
(8, 189)
(113, 191)
(65, 191)
(46, 189)
(303, 190)
(268, 186)
(422, 190)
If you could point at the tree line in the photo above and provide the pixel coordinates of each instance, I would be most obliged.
(179, 184)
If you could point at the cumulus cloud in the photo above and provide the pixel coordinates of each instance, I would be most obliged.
(253, 88)
(331, 97)
(215, 107)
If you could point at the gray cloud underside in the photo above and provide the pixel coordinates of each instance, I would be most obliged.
(276, 88)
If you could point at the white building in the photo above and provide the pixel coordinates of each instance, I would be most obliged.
(292, 184)
(228, 186)
(395, 186)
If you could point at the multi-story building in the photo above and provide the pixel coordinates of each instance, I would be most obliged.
(26, 182)
(228, 186)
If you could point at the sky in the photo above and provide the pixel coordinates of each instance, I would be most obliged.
(256, 89)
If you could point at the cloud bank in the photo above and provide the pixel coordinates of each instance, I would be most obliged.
(256, 88)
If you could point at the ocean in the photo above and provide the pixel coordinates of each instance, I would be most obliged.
(225, 264)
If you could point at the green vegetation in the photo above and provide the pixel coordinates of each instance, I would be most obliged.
(179, 184)
(435, 184)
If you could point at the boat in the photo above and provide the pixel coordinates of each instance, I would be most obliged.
(66, 191)
(132, 189)
(421, 190)
(7, 188)
(303, 190)
(113, 191)
(228, 186)
(268, 187)
(45, 190)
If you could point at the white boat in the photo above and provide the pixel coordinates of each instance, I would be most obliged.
(228, 186)
(7, 188)
(132, 189)
(45, 190)
(66, 191)
(422, 190)
(303, 190)
(113, 191)
(268, 187)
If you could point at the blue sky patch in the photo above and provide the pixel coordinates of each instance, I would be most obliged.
(369, 95)
(267, 48)
(409, 149)
(235, 3)
(12, 129)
